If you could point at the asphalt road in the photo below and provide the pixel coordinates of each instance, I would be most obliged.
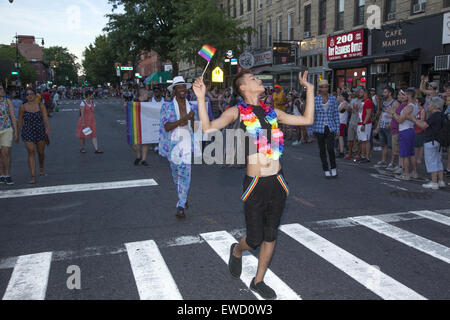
(128, 244)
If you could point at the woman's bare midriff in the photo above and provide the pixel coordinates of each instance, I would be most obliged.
(258, 165)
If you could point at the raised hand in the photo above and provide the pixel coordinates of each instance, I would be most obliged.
(304, 80)
(199, 88)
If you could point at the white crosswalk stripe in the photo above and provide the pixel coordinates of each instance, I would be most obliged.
(433, 216)
(369, 276)
(221, 242)
(410, 239)
(29, 278)
(153, 278)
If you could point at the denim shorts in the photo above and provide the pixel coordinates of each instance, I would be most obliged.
(385, 137)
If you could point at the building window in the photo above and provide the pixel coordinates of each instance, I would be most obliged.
(446, 3)
(290, 27)
(390, 8)
(229, 8)
(249, 5)
(260, 3)
(322, 16)
(260, 27)
(307, 19)
(279, 32)
(241, 7)
(234, 9)
(269, 34)
(360, 6)
(249, 39)
(340, 14)
(418, 6)
(268, 1)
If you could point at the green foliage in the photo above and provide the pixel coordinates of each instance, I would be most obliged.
(7, 60)
(67, 65)
(98, 62)
(205, 24)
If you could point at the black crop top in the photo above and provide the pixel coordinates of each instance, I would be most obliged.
(259, 112)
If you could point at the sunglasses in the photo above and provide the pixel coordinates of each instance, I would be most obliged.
(30, 94)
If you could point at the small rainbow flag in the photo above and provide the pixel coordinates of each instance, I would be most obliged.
(207, 52)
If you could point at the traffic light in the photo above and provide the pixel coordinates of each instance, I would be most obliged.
(15, 73)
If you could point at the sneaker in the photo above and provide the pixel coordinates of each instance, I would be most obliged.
(442, 184)
(380, 164)
(263, 290)
(9, 181)
(348, 157)
(431, 185)
(2, 180)
(137, 161)
(415, 176)
(234, 263)
(144, 163)
(327, 174)
(403, 177)
(296, 143)
(390, 167)
(334, 173)
(397, 170)
(364, 160)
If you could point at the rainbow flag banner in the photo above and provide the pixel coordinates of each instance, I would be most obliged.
(143, 122)
(207, 52)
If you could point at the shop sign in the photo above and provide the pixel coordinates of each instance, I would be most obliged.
(263, 58)
(311, 46)
(346, 45)
(284, 53)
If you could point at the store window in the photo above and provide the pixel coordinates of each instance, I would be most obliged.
(390, 10)
(351, 78)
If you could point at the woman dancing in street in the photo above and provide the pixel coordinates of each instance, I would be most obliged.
(265, 189)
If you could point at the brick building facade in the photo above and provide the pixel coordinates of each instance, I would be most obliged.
(309, 23)
(34, 53)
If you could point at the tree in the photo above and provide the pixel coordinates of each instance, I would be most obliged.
(98, 62)
(7, 65)
(144, 25)
(66, 69)
(205, 24)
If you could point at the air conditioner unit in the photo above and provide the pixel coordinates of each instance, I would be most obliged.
(307, 34)
(418, 8)
(442, 63)
(391, 16)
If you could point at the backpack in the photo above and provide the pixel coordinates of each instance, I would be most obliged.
(443, 136)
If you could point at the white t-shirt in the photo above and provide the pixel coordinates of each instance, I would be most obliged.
(343, 117)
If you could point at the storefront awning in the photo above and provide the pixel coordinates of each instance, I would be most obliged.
(283, 69)
(393, 57)
(345, 64)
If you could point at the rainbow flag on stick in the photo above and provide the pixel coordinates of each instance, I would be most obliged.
(207, 52)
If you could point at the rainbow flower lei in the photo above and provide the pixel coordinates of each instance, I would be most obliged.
(272, 151)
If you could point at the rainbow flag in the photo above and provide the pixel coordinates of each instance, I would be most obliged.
(207, 52)
(134, 125)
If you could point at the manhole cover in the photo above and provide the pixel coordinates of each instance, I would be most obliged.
(412, 195)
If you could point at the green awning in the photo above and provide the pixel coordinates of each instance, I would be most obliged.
(158, 78)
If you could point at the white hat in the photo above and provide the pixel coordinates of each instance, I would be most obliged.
(179, 81)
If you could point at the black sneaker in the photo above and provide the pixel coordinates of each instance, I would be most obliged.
(137, 161)
(235, 264)
(2, 180)
(144, 163)
(9, 181)
(365, 160)
(263, 290)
